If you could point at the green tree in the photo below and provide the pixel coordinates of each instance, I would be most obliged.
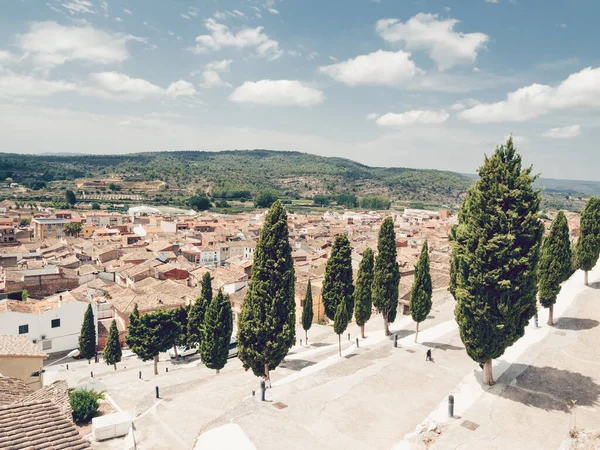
(307, 311)
(84, 404)
(421, 290)
(498, 242)
(95, 206)
(25, 222)
(180, 319)
(321, 200)
(72, 228)
(555, 263)
(363, 293)
(150, 334)
(266, 328)
(453, 261)
(218, 325)
(199, 202)
(588, 244)
(340, 322)
(70, 197)
(386, 275)
(337, 284)
(265, 199)
(87, 336)
(112, 352)
(197, 311)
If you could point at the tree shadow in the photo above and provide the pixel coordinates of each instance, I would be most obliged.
(296, 364)
(319, 344)
(547, 388)
(443, 347)
(594, 285)
(401, 334)
(575, 323)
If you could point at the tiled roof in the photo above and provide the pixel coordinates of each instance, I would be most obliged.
(13, 390)
(57, 393)
(37, 425)
(19, 346)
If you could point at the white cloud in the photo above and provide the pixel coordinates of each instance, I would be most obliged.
(79, 6)
(51, 44)
(492, 1)
(120, 86)
(437, 36)
(579, 90)
(118, 19)
(563, 132)
(371, 116)
(464, 104)
(211, 76)
(127, 11)
(16, 85)
(221, 37)
(181, 88)
(273, 11)
(277, 93)
(6, 56)
(414, 117)
(378, 68)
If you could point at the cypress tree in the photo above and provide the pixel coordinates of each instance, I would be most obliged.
(266, 325)
(340, 322)
(498, 241)
(151, 334)
(363, 299)
(197, 311)
(337, 284)
(307, 311)
(87, 336)
(453, 261)
(555, 263)
(112, 352)
(386, 275)
(180, 319)
(421, 291)
(588, 244)
(218, 325)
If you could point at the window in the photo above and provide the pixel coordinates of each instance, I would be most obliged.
(55, 323)
(23, 329)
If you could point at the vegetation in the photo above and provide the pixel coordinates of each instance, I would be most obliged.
(197, 311)
(374, 203)
(265, 199)
(84, 404)
(180, 320)
(72, 228)
(199, 203)
(218, 325)
(321, 200)
(421, 290)
(112, 352)
(363, 293)
(386, 275)
(70, 197)
(87, 336)
(24, 222)
(497, 249)
(95, 206)
(307, 311)
(588, 245)
(337, 284)
(340, 322)
(267, 323)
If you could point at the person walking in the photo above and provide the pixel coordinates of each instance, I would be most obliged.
(428, 357)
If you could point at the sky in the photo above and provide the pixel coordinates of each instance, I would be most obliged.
(423, 83)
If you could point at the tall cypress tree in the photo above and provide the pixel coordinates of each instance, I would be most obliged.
(498, 241)
(363, 293)
(337, 284)
(453, 261)
(386, 275)
(421, 291)
(197, 311)
(112, 352)
(555, 263)
(266, 325)
(87, 336)
(307, 311)
(218, 325)
(340, 322)
(180, 319)
(588, 245)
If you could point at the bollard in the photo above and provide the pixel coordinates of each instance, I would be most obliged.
(157, 393)
(307, 340)
(253, 392)
(536, 320)
(356, 342)
(262, 390)
(451, 406)
(92, 374)
(140, 377)
(167, 369)
(67, 367)
(96, 358)
(348, 336)
(300, 341)
(396, 341)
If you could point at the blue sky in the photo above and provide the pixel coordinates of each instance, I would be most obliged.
(426, 83)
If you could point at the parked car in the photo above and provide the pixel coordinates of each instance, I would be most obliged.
(183, 351)
(233, 351)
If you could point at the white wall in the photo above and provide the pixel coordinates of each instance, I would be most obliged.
(62, 338)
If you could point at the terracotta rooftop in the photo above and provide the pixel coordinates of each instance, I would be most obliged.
(19, 346)
(13, 390)
(37, 425)
(57, 393)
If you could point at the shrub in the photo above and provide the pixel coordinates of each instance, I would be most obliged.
(84, 403)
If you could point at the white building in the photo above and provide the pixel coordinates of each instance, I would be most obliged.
(53, 324)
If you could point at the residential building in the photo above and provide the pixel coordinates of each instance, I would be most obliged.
(40, 282)
(21, 358)
(7, 236)
(48, 227)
